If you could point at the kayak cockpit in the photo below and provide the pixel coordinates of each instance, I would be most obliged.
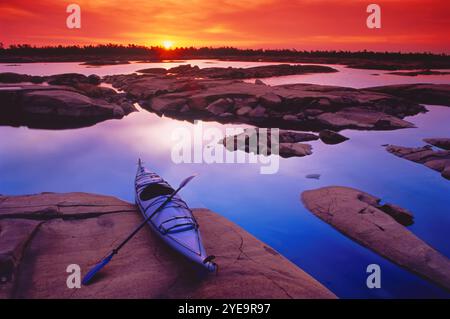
(154, 190)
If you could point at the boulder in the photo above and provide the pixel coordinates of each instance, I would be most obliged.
(269, 100)
(359, 216)
(285, 144)
(37, 248)
(220, 106)
(243, 110)
(331, 137)
(295, 149)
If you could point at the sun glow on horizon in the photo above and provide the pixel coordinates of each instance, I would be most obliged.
(167, 44)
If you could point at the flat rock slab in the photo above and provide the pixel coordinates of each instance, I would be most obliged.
(34, 254)
(359, 216)
(426, 155)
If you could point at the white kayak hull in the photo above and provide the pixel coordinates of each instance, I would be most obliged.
(174, 223)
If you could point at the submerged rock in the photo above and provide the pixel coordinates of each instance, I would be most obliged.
(36, 249)
(359, 216)
(426, 155)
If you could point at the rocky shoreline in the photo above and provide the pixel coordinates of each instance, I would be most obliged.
(213, 94)
(40, 235)
(380, 228)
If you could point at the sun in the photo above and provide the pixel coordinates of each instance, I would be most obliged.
(167, 44)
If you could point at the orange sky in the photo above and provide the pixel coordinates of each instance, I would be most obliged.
(416, 25)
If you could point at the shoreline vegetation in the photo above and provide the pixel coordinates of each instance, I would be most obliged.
(120, 54)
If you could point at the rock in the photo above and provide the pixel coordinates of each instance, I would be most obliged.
(270, 100)
(94, 91)
(422, 72)
(295, 149)
(220, 106)
(401, 215)
(55, 107)
(436, 160)
(258, 112)
(421, 93)
(36, 249)
(331, 137)
(243, 110)
(69, 79)
(290, 118)
(264, 71)
(104, 62)
(94, 79)
(286, 144)
(358, 215)
(259, 82)
(295, 137)
(443, 143)
(9, 77)
(353, 118)
(313, 176)
(306, 107)
(153, 71)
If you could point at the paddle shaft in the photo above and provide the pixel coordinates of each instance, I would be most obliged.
(138, 228)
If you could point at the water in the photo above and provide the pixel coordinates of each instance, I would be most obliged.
(101, 159)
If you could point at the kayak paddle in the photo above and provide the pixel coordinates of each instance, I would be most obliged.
(108, 258)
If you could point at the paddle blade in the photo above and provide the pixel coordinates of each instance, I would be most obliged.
(187, 180)
(96, 269)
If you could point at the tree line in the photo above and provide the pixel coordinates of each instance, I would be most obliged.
(131, 50)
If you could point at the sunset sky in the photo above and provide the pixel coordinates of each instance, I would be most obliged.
(416, 25)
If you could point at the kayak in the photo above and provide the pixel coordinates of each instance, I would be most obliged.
(174, 223)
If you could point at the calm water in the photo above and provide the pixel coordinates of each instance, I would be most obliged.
(102, 158)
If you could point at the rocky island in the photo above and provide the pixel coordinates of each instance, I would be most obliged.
(380, 228)
(40, 235)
